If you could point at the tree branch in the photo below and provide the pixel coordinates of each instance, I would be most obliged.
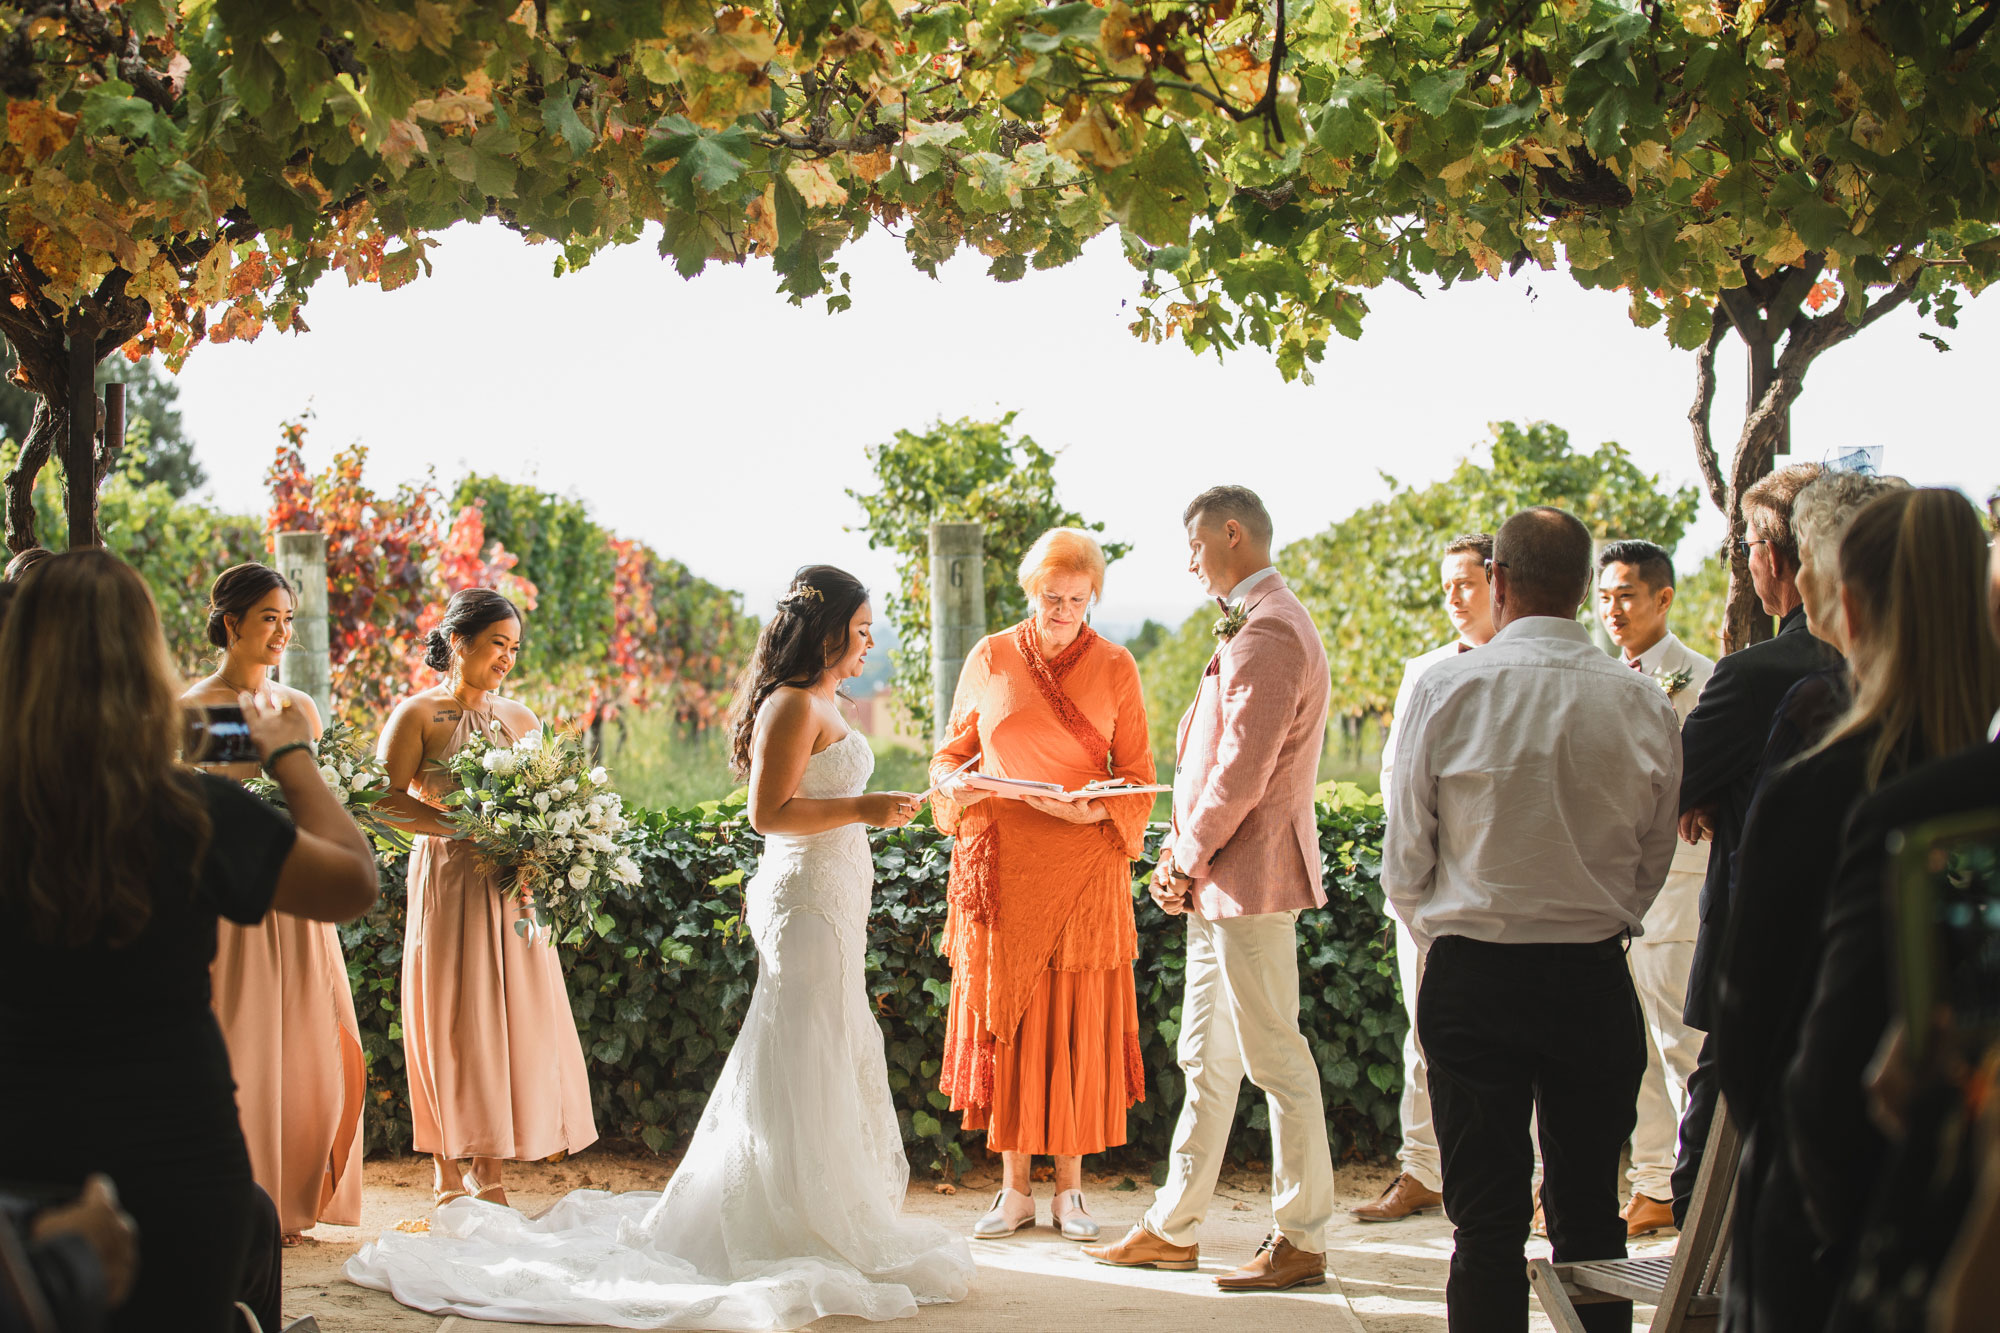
(1975, 30)
(1698, 414)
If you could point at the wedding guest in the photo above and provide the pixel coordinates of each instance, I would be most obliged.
(18, 567)
(1523, 891)
(1722, 747)
(495, 1065)
(1241, 862)
(78, 1258)
(1913, 586)
(1042, 1039)
(119, 862)
(280, 987)
(1468, 601)
(1820, 517)
(1635, 595)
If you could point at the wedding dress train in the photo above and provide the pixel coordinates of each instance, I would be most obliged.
(786, 1207)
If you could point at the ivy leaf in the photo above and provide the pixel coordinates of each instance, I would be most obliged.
(705, 161)
(559, 113)
(1156, 194)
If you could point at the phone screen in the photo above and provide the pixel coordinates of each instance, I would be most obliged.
(217, 734)
(1947, 917)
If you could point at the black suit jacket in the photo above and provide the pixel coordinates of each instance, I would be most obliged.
(1836, 1150)
(1722, 745)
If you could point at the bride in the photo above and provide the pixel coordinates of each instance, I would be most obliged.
(787, 1206)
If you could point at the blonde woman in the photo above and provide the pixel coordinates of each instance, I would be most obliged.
(1926, 682)
(280, 986)
(1042, 1040)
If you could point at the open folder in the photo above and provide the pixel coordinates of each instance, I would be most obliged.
(1055, 791)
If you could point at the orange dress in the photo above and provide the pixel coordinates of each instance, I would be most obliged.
(1042, 1038)
(495, 1065)
(281, 997)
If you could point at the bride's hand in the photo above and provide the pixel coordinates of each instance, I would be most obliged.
(1074, 812)
(889, 809)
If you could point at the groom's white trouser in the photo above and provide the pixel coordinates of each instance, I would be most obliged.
(1241, 1017)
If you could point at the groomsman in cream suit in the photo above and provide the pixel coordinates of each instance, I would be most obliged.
(1468, 600)
(1635, 590)
(1242, 861)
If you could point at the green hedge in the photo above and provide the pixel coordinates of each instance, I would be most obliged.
(660, 994)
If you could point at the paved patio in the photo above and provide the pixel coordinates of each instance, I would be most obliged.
(1386, 1279)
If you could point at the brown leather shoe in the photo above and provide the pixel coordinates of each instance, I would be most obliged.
(1142, 1249)
(1406, 1197)
(1276, 1266)
(1645, 1215)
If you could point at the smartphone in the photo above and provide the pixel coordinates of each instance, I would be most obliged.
(1945, 914)
(217, 734)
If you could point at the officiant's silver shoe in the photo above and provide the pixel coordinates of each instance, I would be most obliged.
(998, 1222)
(1076, 1223)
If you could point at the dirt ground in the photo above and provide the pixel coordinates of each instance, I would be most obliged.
(1386, 1279)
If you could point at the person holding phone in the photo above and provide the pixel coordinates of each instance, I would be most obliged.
(1042, 1041)
(280, 986)
(120, 861)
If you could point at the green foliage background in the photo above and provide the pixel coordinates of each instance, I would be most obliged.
(659, 994)
(955, 472)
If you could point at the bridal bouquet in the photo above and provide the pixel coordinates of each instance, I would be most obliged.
(357, 780)
(543, 816)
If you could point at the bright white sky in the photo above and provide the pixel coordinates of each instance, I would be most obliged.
(723, 426)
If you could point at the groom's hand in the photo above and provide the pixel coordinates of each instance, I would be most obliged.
(1170, 890)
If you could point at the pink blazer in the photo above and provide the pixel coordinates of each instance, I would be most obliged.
(1248, 760)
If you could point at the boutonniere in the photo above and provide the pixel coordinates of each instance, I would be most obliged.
(1232, 619)
(1673, 682)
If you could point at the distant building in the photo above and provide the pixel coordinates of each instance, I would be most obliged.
(878, 716)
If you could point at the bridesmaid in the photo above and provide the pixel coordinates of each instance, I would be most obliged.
(495, 1064)
(280, 987)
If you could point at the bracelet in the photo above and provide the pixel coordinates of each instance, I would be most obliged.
(283, 750)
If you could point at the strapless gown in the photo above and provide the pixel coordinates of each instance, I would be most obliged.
(787, 1207)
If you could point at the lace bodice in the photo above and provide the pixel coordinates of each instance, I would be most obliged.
(829, 873)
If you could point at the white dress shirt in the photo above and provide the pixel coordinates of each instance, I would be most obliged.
(1413, 671)
(1242, 590)
(1537, 790)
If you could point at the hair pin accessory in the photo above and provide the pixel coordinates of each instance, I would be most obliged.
(805, 591)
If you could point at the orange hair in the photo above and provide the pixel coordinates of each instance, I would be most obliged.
(1062, 551)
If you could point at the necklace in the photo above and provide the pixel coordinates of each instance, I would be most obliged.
(223, 676)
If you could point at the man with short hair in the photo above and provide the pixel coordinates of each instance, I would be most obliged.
(1468, 600)
(1241, 862)
(1635, 592)
(1722, 744)
(1530, 828)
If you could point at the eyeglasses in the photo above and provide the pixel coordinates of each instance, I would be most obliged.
(1492, 565)
(1743, 545)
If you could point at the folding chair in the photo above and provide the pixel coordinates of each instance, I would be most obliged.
(1685, 1288)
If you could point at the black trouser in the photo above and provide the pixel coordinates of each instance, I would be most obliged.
(264, 1262)
(1695, 1124)
(1514, 1029)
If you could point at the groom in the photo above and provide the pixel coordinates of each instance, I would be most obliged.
(1242, 860)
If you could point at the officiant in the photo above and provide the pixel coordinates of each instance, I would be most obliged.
(1042, 1039)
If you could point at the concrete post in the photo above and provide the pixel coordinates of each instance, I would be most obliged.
(307, 664)
(958, 610)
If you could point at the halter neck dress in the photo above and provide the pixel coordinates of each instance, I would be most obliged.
(494, 1062)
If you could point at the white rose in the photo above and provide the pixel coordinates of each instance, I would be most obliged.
(529, 743)
(340, 794)
(359, 782)
(568, 787)
(330, 776)
(599, 776)
(579, 876)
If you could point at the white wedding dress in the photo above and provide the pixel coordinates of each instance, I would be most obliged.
(786, 1207)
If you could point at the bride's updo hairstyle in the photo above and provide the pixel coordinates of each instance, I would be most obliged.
(469, 612)
(235, 591)
(807, 633)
